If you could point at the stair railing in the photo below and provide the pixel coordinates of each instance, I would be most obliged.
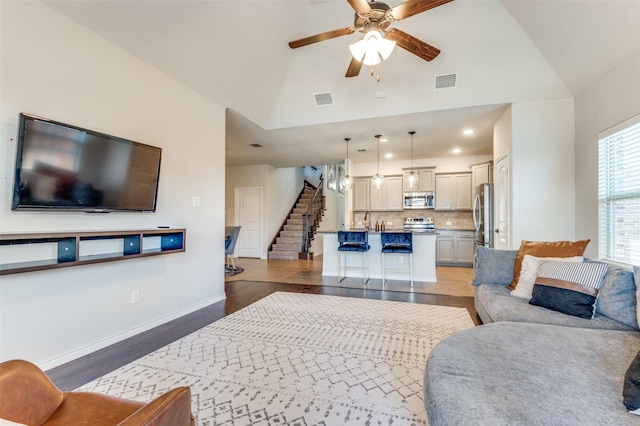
(307, 228)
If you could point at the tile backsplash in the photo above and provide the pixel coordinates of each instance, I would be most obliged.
(443, 220)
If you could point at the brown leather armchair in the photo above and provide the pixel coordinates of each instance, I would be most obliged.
(29, 397)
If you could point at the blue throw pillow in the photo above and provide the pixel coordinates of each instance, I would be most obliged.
(493, 266)
(569, 287)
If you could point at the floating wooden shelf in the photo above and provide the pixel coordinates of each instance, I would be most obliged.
(70, 251)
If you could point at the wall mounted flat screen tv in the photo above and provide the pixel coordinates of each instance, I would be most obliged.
(68, 168)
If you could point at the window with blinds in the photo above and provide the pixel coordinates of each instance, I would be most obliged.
(619, 192)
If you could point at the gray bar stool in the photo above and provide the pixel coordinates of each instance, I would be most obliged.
(353, 242)
(396, 243)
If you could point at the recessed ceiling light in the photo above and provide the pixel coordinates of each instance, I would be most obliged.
(456, 150)
(468, 132)
(384, 140)
(388, 155)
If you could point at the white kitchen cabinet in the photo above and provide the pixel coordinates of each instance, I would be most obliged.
(481, 173)
(453, 191)
(426, 180)
(455, 248)
(462, 192)
(367, 197)
(361, 197)
(394, 196)
(445, 248)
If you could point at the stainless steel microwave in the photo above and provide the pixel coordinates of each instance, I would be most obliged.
(418, 200)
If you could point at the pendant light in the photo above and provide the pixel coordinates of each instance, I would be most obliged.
(412, 178)
(378, 179)
(346, 183)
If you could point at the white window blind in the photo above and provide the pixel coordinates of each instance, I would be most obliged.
(619, 192)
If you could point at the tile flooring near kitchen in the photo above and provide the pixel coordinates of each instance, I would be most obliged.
(451, 281)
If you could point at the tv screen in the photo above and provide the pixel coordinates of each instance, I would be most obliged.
(64, 167)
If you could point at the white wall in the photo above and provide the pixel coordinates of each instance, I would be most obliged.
(611, 100)
(542, 172)
(54, 68)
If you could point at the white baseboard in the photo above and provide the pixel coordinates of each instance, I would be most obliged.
(101, 344)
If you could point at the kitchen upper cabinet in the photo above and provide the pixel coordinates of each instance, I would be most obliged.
(367, 197)
(453, 191)
(394, 196)
(426, 180)
(361, 197)
(481, 173)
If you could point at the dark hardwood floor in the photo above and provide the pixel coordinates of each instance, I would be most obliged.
(239, 294)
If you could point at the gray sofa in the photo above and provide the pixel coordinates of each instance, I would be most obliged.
(529, 365)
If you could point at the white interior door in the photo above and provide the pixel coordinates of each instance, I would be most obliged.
(502, 203)
(248, 208)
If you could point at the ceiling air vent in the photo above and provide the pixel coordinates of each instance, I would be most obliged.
(323, 99)
(445, 81)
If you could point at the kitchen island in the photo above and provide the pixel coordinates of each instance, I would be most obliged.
(424, 258)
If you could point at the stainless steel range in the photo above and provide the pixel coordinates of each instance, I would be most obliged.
(419, 224)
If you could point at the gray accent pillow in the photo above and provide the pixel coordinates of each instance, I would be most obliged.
(493, 266)
(617, 297)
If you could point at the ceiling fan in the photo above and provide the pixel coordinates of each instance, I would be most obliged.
(373, 20)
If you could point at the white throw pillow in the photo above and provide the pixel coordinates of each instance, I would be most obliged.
(529, 273)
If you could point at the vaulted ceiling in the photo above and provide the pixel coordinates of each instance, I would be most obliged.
(236, 54)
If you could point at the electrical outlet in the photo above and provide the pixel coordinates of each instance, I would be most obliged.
(401, 260)
(449, 223)
(389, 223)
(135, 297)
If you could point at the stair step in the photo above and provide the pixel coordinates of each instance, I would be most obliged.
(291, 234)
(286, 247)
(290, 240)
(281, 255)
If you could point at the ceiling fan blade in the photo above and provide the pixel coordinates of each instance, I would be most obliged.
(354, 68)
(412, 44)
(360, 6)
(413, 7)
(321, 37)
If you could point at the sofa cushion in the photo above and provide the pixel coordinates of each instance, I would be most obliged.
(529, 273)
(493, 266)
(546, 249)
(568, 287)
(617, 298)
(495, 303)
(529, 374)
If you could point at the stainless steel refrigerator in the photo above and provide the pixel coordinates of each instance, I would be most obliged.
(483, 214)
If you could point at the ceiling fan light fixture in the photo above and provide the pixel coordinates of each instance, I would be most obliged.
(371, 48)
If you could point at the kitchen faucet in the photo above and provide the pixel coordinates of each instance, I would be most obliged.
(367, 226)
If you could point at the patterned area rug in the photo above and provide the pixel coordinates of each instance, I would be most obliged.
(299, 359)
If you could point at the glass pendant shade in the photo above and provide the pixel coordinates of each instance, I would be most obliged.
(371, 48)
(378, 180)
(412, 180)
(346, 183)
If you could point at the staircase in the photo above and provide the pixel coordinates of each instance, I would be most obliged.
(289, 242)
